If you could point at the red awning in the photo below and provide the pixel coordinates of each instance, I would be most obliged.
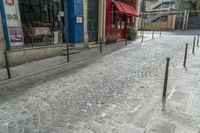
(118, 6)
(134, 11)
(125, 9)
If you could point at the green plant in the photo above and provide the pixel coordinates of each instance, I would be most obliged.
(132, 33)
(129, 31)
(198, 5)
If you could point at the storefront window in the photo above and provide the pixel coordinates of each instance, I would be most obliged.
(34, 22)
(113, 16)
(123, 23)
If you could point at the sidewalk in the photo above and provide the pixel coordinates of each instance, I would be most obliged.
(182, 113)
(45, 64)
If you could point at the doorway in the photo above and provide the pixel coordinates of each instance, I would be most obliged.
(93, 10)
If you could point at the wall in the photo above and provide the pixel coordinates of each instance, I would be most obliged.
(137, 4)
(18, 57)
(102, 15)
(161, 25)
(85, 21)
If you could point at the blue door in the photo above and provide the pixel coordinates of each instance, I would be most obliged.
(93, 20)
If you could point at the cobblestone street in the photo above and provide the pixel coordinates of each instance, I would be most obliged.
(117, 93)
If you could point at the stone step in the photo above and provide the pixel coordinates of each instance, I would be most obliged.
(72, 51)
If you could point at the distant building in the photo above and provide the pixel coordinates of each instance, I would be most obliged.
(188, 16)
(158, 14)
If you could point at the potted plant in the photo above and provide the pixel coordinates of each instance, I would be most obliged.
(132, 34)
(129, 33)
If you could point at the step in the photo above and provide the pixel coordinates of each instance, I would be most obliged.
(73, 51)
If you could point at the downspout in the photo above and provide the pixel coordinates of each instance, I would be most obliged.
(4, 23)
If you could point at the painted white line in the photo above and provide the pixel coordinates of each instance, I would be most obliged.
(171, 93)
(136, 109)
(189, 104)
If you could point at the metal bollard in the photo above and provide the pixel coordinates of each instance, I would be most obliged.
(68, 52)
(126, 43)
(193, 49)
(165, 85)
(198, 41)
(7, 65)
(100, 45)
(143, 36)
(153, 34)
(160, 32)
(185, 58)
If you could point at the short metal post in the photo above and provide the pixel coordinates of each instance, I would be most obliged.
(143, 36)
(193, 49)
(153, 34)
(100, 45)
(68, 52)
(160, 32)
(126, 43)
(198, 41)
(7, 65)
(165, 85)
(185, 58)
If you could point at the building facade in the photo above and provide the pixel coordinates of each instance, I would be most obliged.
(119, 16)
(37, 29)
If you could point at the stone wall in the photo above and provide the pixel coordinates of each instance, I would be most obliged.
(18, 57)
(161, 25)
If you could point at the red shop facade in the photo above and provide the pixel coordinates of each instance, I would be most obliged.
(120, 14)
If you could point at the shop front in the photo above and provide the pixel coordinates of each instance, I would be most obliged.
(35, 23)
(37, 29)
(119, 17)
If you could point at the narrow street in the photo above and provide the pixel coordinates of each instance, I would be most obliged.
(118, 93)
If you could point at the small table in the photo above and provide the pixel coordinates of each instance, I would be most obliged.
(41, 31)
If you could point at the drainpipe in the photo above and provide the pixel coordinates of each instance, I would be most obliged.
(4, 23)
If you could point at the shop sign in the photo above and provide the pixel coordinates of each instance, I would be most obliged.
(79, 19)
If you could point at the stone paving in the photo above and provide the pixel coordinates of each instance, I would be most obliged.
(119, 93)
(182, 114)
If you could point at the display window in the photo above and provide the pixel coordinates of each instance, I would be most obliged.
(34, 22)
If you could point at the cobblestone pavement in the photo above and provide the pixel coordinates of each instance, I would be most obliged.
(182, 113)
(43, 65)
(119, 93)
